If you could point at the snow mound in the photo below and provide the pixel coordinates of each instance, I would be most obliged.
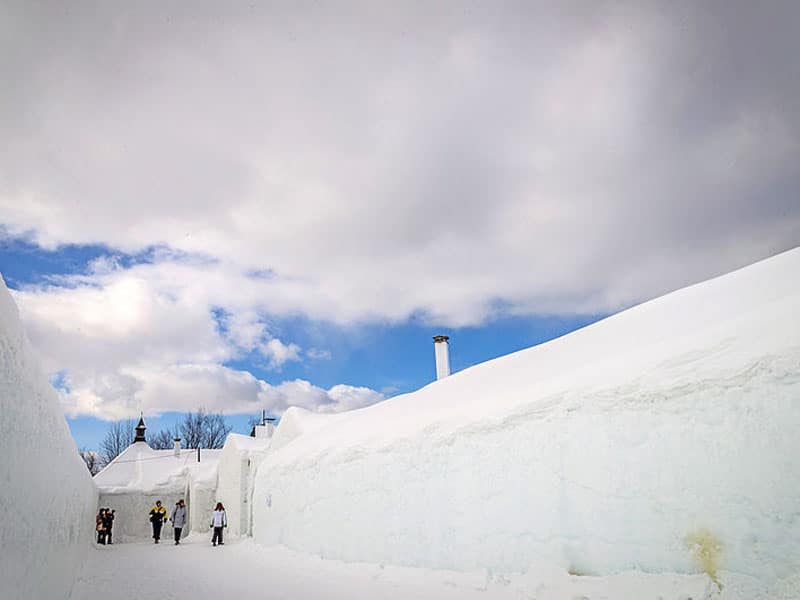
(662, 439)
(48, 498)
(297, 421)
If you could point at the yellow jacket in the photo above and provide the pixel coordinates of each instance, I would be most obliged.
(158, 513)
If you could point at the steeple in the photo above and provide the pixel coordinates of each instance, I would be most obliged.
(140, 428)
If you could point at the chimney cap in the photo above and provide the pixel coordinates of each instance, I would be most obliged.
(440, 338)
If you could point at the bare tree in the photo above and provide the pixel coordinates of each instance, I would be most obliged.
(92, 460)
(203, 430)
(163, 440)
(197, 430)
(190, 429)
(119, 436)
(215, 431)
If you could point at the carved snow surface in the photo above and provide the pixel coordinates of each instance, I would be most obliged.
(611, 449)
(47, 498)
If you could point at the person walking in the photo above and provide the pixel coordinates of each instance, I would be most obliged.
(178, 520)
(219, 521)
(108, 523)
(158, 514)
(100, 526)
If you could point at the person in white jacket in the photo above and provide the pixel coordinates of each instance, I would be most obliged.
(218, 521)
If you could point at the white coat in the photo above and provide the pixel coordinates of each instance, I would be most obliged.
(219, 519)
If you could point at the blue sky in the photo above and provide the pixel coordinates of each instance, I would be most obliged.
(261, 209)
(392, 359)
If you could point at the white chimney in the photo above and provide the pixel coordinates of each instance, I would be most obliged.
(177, 447)
(270, 426)
(442, 349)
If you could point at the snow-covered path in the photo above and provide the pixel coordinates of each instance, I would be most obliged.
(195, 570)
(244, 571)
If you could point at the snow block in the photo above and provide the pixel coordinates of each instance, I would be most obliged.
(660, 440)
(48, 497)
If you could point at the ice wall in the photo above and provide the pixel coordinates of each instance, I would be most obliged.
(48, 498)
(662, 439)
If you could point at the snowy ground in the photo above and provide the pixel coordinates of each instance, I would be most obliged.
(243, 570)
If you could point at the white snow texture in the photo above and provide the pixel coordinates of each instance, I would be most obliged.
(663, 439)
(48, 498)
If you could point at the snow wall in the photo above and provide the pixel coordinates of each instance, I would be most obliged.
(237, 467)
(48, 497)
(663, 439)
(200, 502)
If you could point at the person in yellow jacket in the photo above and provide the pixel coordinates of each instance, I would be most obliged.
(158, 516)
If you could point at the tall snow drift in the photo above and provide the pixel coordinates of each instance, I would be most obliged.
(48, 498)
(664, 438)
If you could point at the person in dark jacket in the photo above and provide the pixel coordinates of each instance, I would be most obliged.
(108, 523)
(158, 515)
(100, 527)
(178, 520)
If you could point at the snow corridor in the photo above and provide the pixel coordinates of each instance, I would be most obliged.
(243, 570)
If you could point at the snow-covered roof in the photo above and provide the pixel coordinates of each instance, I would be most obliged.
(246, 442)
(140, 468)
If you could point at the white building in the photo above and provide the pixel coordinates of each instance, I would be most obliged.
(132, 482)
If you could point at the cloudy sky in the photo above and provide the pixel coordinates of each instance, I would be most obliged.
(253, 205)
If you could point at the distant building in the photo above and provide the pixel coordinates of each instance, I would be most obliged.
(134, 480)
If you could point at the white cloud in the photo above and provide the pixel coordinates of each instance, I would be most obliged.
(449, 164)
(149, 338)
(279, 353)
(318, 354)
(441, 164)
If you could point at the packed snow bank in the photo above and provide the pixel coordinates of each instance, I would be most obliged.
(662, 439)
(48, 498)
